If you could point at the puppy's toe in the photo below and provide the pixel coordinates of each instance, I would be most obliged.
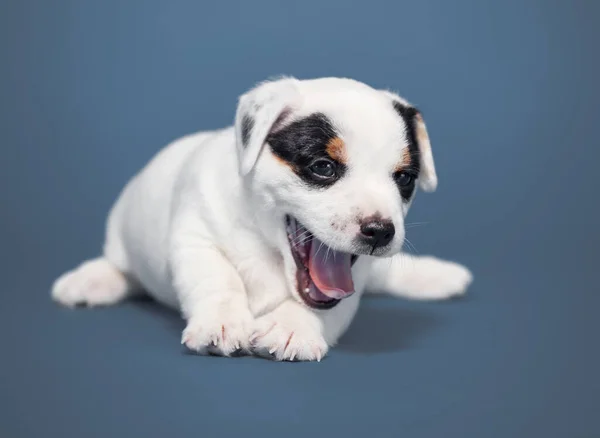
(225, 335)
(280, 340)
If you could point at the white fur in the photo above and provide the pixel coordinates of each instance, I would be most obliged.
(94, 283)
(419, 278)
(201, 227)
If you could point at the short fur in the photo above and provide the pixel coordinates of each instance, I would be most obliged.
(201, 227)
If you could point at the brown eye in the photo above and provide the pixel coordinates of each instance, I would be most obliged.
(404, 179)
(323, 168)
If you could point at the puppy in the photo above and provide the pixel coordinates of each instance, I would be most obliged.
(266, 234)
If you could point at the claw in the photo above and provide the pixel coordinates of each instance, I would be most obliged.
(287, 344)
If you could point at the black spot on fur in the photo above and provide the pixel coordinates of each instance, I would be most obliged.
(409, 117)
(247, 125)
(303, 142)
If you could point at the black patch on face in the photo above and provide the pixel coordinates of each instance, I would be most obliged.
(303, 142)
(405, 180)
(409, 116)
(406, 190)
(247, 125)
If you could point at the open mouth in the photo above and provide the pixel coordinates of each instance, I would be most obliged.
(323, 275)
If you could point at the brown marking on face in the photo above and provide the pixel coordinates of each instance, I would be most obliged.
(405, 162)
(336, 149)
(283, 162)
(422, 136)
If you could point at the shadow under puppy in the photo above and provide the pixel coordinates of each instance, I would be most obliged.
(266, 234)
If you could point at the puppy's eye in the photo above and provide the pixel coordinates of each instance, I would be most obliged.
(404, 179)
(323, 168)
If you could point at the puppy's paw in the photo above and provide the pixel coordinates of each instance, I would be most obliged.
(222, 332)
(94, 283)
(434, 279)
(287, 338)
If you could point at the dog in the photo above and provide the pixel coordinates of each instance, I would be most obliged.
(265, 234)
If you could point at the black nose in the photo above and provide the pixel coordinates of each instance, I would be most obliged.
(377, 233)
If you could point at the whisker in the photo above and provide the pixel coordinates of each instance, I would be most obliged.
(319, 248)
(300, 241)
(301, 238)
(410, 245)
(415, 224)
(410, 258)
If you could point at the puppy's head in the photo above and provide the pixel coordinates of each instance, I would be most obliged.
(332, 166)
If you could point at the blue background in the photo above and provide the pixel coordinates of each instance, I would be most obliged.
(90, 90)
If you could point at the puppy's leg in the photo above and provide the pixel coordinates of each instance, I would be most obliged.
(419, 278)
(213, 300)
(95, 282)
(102, 281)
(292, 331)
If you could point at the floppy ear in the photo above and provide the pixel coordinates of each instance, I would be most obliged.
(258, 112)
(414, 122)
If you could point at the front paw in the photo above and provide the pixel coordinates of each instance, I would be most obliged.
(219, 332)
(436, 279)
(288, 338)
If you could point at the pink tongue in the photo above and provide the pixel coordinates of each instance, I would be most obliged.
(330, 270)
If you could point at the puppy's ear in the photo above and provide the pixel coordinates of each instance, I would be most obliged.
(259, 111)
(414, 122)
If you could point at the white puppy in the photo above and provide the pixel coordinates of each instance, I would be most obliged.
(265, 234)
